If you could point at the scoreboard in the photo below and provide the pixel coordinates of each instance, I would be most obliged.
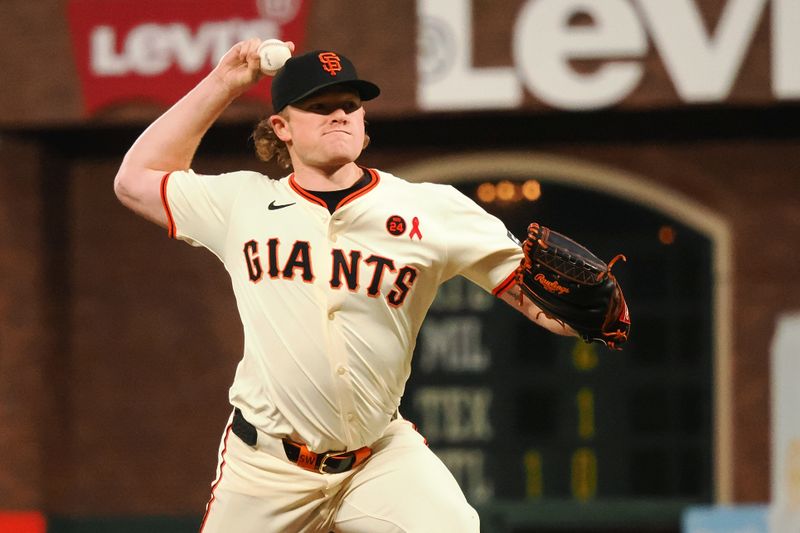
(521, 415)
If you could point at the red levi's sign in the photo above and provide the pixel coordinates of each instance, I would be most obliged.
(157, 50)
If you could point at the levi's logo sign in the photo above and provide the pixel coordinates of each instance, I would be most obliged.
(155, 51)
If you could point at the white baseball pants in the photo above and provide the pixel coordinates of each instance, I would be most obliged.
(402, 488)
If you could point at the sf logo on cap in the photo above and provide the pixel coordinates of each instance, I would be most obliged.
(330, 63)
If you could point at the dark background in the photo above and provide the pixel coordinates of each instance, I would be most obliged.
(117, 345)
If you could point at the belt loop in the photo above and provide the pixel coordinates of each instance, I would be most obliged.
(244, 429)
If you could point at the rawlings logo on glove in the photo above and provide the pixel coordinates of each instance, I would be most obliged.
(551, 286)
(571, 285)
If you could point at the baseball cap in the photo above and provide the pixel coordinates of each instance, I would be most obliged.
(303, 75)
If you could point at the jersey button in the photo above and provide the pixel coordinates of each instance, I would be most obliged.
(341, 370)
(350, 417)
(331, 315)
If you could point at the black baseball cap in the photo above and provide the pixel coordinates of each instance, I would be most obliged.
(303, 75)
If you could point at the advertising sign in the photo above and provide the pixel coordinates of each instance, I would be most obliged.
(156, 51)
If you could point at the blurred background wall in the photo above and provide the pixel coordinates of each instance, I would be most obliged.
(662, 130)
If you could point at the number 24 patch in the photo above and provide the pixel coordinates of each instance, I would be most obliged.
(396, 225)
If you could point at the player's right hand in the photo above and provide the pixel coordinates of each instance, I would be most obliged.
(240, 67)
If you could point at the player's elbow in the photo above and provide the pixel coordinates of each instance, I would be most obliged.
(123, 187)
(133, 186)
(140, 191)
(119, 186)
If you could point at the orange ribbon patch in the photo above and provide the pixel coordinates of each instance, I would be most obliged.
(415, 229)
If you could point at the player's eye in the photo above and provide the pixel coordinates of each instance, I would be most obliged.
(326, 108)
(350, 106)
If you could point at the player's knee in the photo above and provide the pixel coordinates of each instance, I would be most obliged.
(467, 519)
(438, 515)
(457, 515)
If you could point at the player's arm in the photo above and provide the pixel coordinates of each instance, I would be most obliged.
(534, 314)
(480, 248)
(171, 141)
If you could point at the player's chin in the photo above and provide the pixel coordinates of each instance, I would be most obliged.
(343, 156)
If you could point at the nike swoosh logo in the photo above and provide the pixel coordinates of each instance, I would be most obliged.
(273, 206)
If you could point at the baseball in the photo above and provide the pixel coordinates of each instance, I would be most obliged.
(273, 54)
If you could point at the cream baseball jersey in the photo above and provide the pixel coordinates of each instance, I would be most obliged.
(331, 304)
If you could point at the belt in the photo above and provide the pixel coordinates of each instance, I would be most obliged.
(330, 462)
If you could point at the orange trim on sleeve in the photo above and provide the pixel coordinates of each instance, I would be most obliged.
(167, 210)
(362, 191)
(505, 284)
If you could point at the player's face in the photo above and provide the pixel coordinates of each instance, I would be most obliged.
(326, 130)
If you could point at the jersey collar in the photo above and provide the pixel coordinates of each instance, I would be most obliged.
(311, 197)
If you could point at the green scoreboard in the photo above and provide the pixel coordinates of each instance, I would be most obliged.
(519, 414)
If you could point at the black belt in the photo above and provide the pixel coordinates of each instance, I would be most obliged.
(325, 463)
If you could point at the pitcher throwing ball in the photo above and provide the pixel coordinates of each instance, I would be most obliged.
(334, 267)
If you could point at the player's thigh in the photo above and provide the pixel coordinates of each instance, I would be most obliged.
(257, 492)
(232, 511)
(404, 488)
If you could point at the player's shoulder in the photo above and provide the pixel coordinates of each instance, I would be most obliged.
(250, 177)
(442, 196)
(390, 181)
(234, 180)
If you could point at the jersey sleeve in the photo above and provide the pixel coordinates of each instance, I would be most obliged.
(479, 246)
(199, 207)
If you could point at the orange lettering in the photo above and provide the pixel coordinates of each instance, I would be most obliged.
(550, 286)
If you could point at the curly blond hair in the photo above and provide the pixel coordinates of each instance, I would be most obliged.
(268, 146)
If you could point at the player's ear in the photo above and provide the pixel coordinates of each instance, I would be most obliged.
(281, 127)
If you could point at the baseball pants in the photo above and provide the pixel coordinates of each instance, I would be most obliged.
(402, 488)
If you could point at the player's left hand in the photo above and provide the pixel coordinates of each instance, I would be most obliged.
(569, 284)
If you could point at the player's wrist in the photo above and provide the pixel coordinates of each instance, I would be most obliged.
(218, 92)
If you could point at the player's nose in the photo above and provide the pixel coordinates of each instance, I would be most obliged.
(338, 115)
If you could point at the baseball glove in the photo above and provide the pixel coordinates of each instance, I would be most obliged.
(568, 283)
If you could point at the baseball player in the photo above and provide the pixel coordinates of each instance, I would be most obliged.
(334, 267)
